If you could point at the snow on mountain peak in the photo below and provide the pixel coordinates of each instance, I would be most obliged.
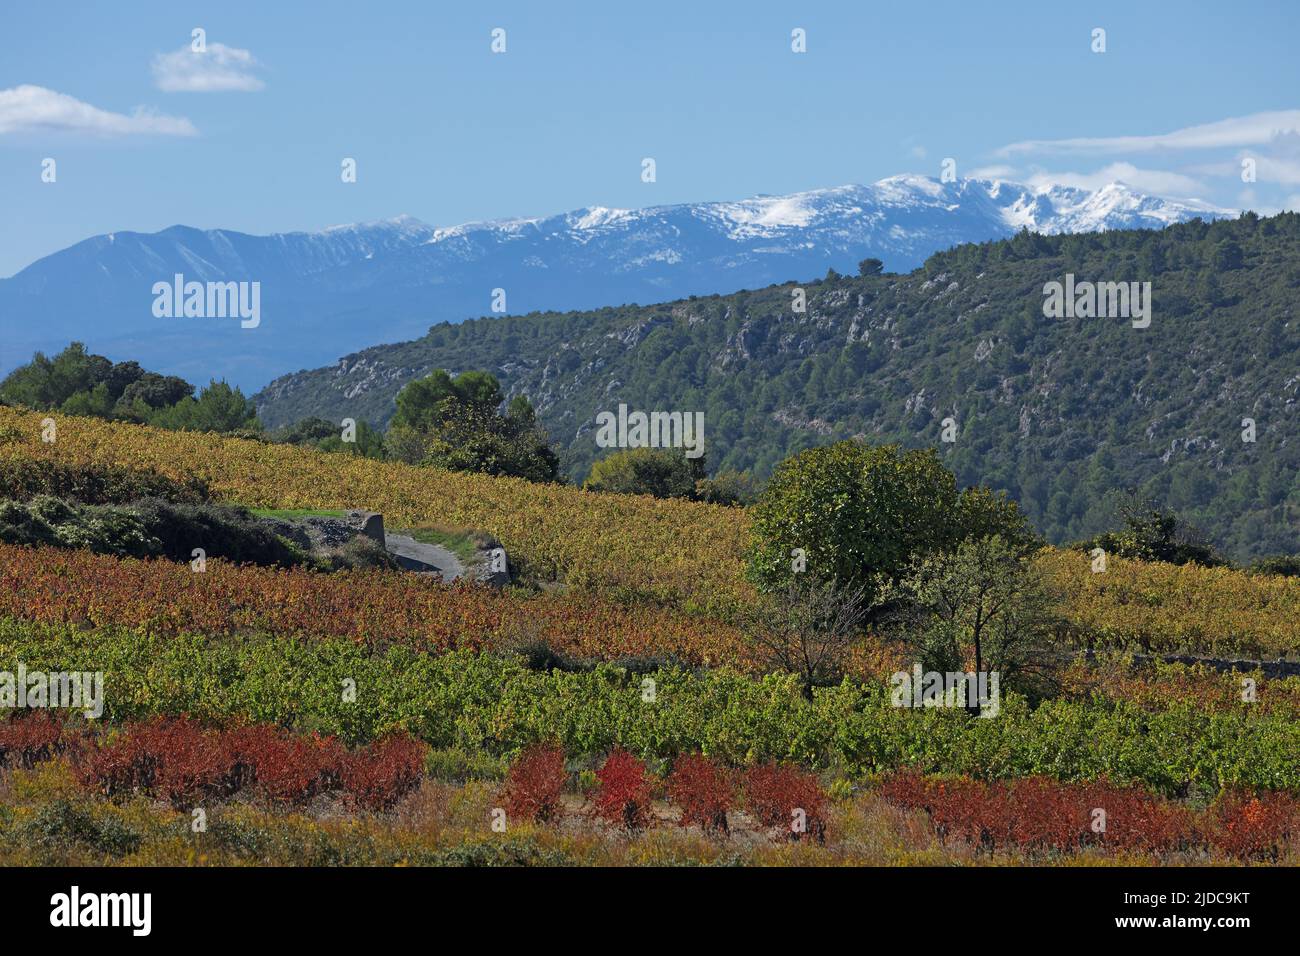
(763, 215)
(909, 185)
(594, 217)
(868, 212)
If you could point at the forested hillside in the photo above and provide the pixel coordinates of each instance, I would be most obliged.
(1058, 412)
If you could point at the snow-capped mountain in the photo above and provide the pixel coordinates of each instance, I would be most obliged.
(327, 293)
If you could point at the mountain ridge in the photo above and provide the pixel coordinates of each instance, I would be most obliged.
(338, 290)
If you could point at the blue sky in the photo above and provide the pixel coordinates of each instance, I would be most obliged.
(250, 135)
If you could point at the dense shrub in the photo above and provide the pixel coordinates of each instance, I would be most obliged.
(222, 531)
(174, 758)
(1152, 533)
(461, 764)
(62, 826)
(22, 479)
(1281, 565)
(534, 784)
(454, 424)
(783, 795)
(189, 763)
(662, 472)
(151, 527)
(510, 852)
(622, 796)
(733, 488)
(703, 790)
(186, 763)
(286, 769)
(359, 552)
(46, 520)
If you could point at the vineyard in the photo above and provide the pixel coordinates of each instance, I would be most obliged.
(766, 812)
(371, 607)
(485, 703)
(674, 552)
(637, 549)
(612, 708)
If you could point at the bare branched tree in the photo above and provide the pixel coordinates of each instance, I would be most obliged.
(808, 628)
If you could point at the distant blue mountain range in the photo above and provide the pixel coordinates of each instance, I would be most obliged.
(325, 294)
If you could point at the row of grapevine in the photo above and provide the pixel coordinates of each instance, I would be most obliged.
(492, 703)
(371, 606)
(187, 764)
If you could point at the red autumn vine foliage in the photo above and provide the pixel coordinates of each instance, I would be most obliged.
(703, 790)
(623, 796)
(27, 740)
(78, 587)
(1037, 813)
(184, 762)
(1254, 826)
(377, 777)
(534, 784)
(782, 795)
(290, 769)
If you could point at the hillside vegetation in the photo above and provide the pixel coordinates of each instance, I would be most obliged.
(686, 556)
(1056, 412)
(619, 692)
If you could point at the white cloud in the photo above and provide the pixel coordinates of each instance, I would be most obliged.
(218, 69)
(1275, 169)
(994, 172)
(30, 108)
(1157, 181)
(1257, 129)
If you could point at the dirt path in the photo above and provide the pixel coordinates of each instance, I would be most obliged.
(418, 556)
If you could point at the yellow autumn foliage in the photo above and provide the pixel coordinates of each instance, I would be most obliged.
(679, 553)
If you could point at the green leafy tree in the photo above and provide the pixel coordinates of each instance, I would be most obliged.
(325, 435)
(154, 391)
(982, 606)
(368, 442)
(453, 423)
(859, 515)
(1282, 565)
(77, 382)
(737, 488)
(219, 408)
(47, 383)
(662, 472)
(306, 431)
(982, 513)
(426, 403)
(97, 402)
(1228, 256)
(1152, 533)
